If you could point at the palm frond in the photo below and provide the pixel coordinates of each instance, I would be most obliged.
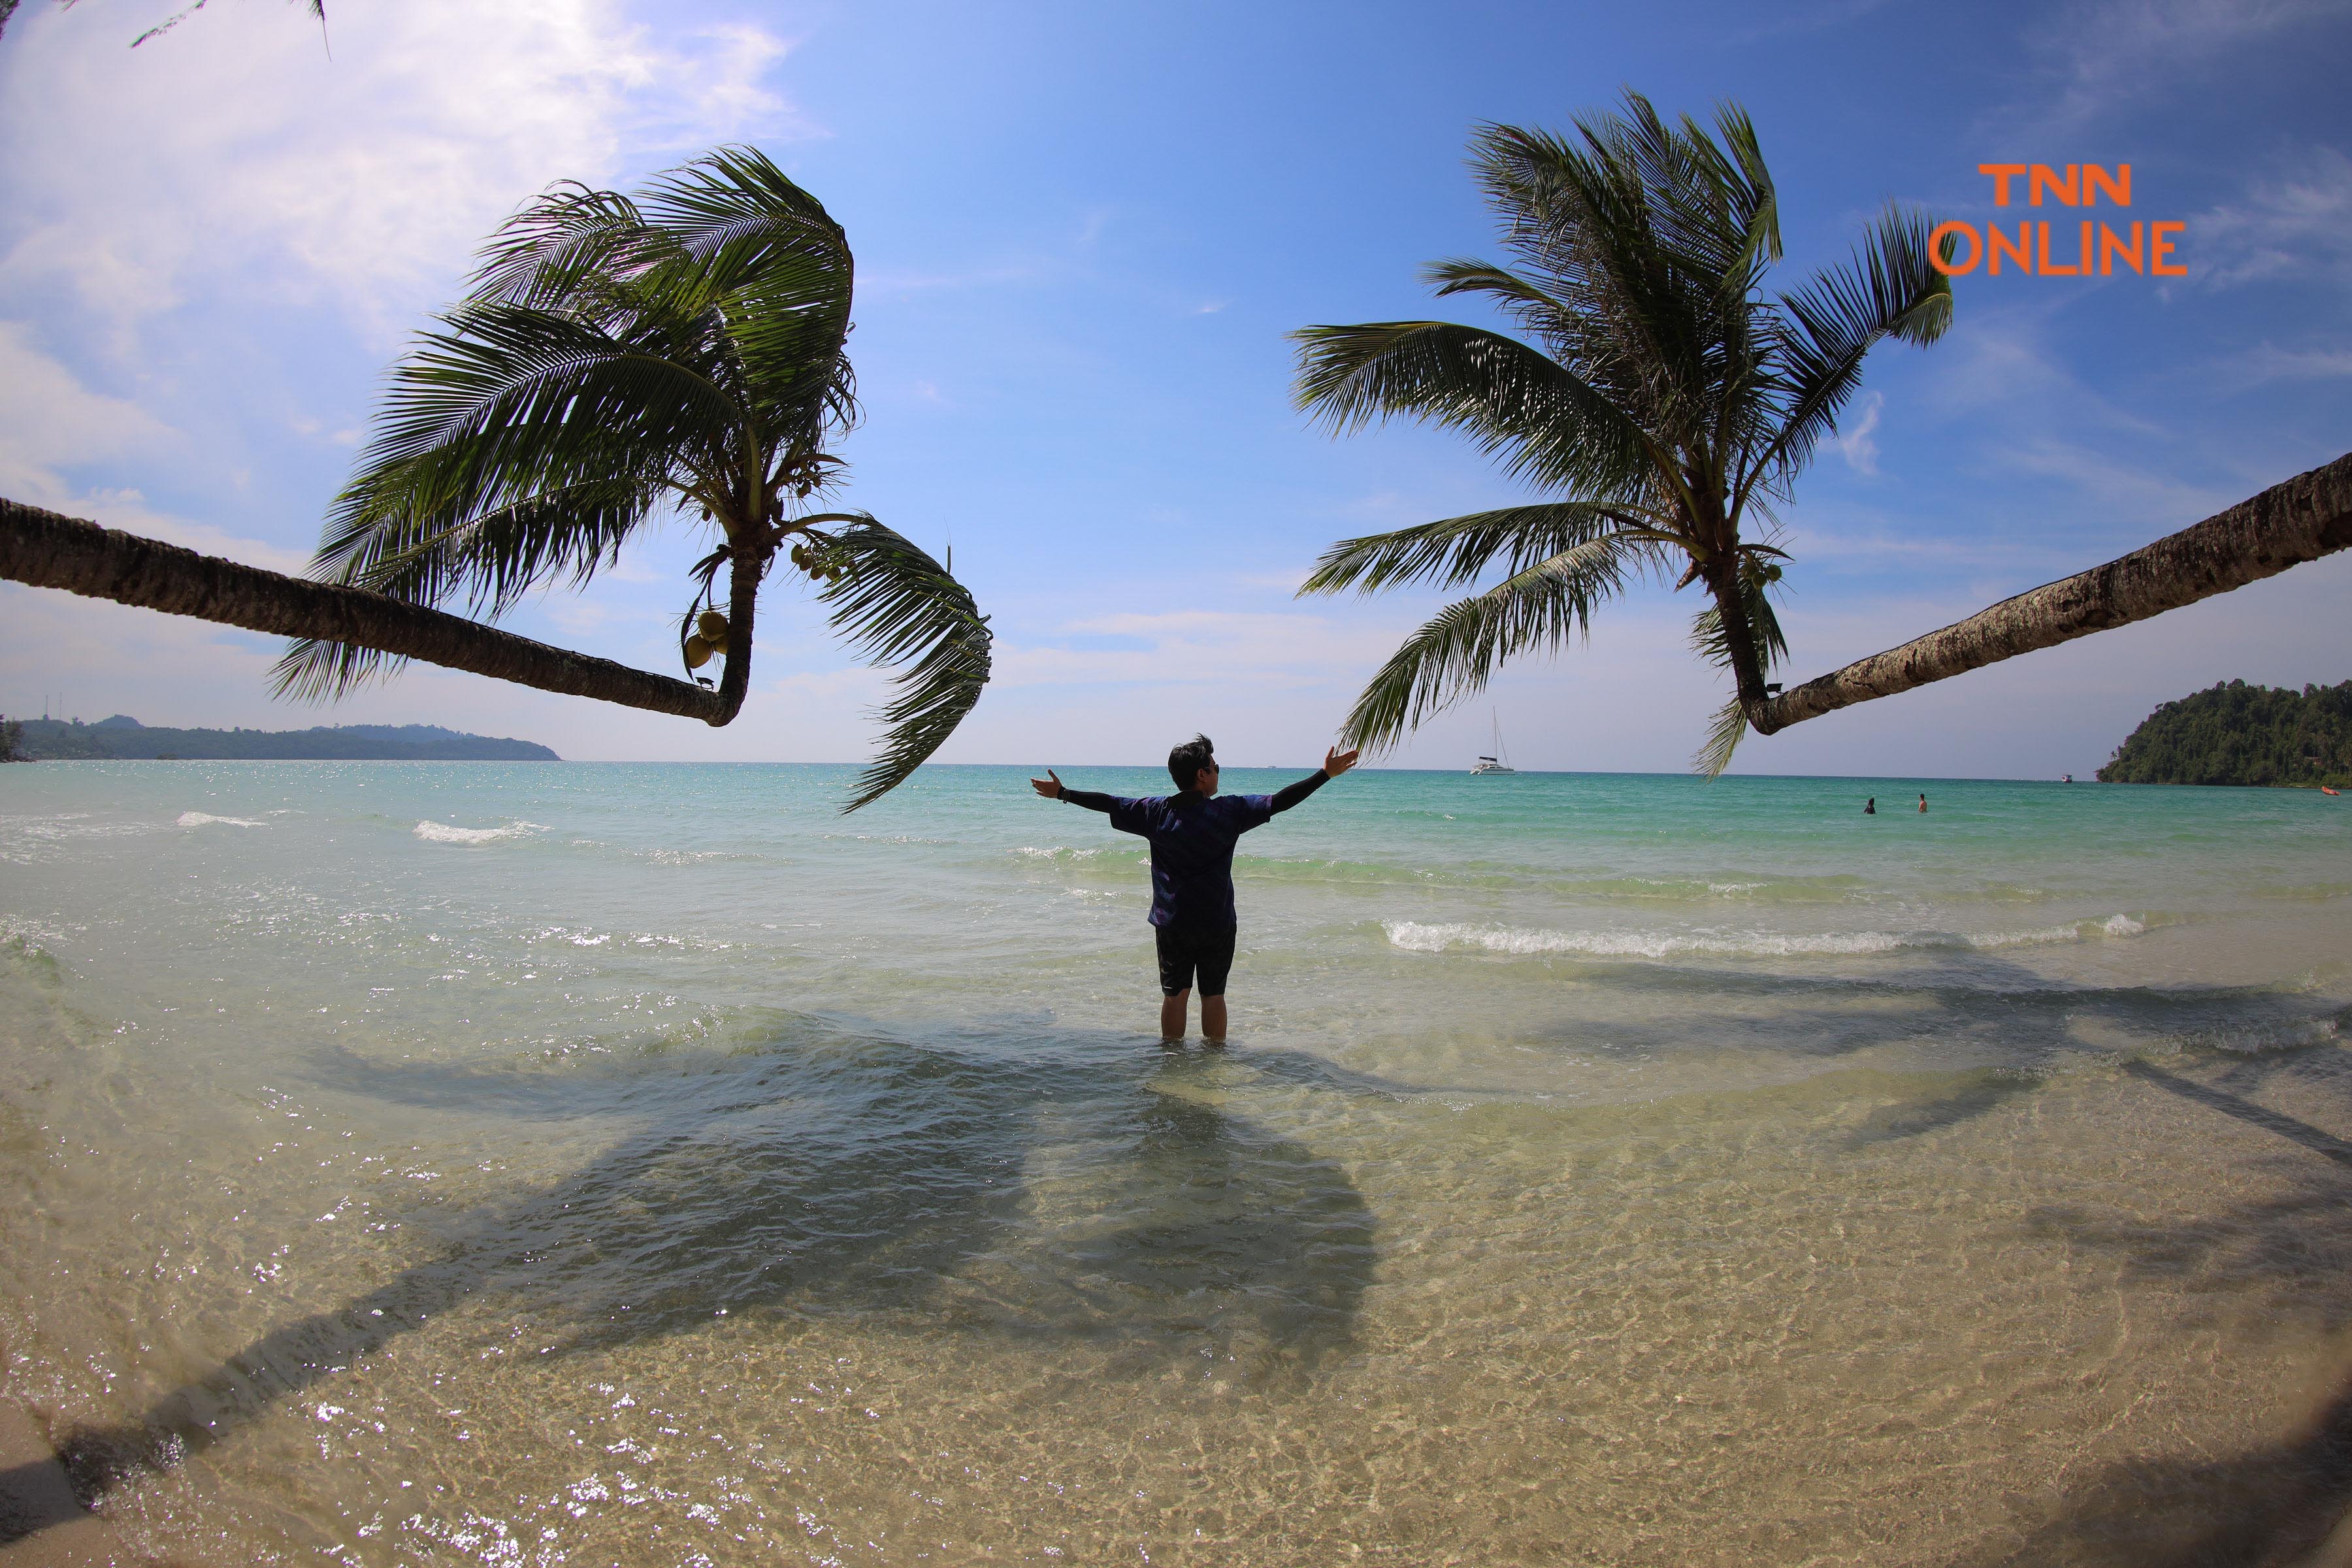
(317, 8)
(1548, 424)
(494, 557)
(1723, 737)
(898, 605)
(1890, 288)
(1456, 652)
(1709, 641)
(314, 670)
(521, 445)
(1456, 549)
(757, 247)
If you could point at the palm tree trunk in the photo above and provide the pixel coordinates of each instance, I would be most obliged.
(49, 550)
(745, 571)
(1738, 631)
(2302, 519)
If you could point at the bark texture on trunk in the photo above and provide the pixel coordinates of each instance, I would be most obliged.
(2302, 519)
(49, 550)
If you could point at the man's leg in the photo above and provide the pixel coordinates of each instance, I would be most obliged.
(1215, 957)
(1175, 980)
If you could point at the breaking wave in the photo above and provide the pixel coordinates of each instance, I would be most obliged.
(1457, 936)
(442, 832)
(202, 819)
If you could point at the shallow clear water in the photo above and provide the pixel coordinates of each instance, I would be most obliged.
(586, 1163)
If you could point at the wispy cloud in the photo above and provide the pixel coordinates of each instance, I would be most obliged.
(2116, 484)
(2099, 57)
(2268, 363)
(2296, 223)
(1861, 452)
(1267, 649)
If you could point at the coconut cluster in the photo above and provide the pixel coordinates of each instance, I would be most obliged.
(710, 636)
(818, 563)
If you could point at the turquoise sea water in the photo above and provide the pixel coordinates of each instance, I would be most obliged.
(644, 1163)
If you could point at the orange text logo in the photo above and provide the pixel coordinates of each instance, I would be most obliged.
(2078, 247)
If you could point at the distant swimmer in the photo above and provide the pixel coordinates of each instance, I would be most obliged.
(1869, 807)
(1923, 805)
(1192, 833)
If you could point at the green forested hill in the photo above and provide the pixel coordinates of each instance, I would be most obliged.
(124, 737)
(2241, 734)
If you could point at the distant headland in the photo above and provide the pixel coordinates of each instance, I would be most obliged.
(126, 739)
(2241, 734)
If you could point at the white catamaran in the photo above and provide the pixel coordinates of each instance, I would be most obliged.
(1500, 763)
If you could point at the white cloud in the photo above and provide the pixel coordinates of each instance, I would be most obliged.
(1861, 451)
(233, 154)
(49, 419)
(50, 423)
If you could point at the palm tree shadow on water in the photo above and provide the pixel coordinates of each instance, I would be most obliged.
(2284, 1254)
(1045, 1186)
(2284, 1504)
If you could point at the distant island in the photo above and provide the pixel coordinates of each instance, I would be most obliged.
(126, 739)
(2241, 734)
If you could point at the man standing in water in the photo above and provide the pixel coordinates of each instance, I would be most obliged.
(1192, 833)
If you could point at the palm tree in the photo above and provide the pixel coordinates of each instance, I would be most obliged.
(1666, 403)
(619, 361)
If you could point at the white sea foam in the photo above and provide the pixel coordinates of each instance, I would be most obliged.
(203, 818)
(442, 832)
(1414, 936)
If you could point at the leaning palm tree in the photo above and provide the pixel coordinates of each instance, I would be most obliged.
(1666, 403)
(620, 362)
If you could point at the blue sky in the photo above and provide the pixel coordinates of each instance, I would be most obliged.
(1082, 233)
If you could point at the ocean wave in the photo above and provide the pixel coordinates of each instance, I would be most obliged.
(442, 832)
(1064, 852)
(1456, 936)
(204, 818)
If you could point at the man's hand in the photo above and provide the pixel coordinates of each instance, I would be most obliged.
(1336, 762)
(1050, 786)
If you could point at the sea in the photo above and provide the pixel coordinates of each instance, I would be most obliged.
(651, 1164)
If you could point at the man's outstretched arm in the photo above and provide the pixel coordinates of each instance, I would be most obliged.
(1335, 763)
(1052, 787)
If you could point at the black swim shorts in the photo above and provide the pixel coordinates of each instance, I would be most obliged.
(1182, 952)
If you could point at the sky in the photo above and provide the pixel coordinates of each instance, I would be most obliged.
(1083, 235)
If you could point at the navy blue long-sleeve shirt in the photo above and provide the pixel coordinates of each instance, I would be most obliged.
(1192, 837)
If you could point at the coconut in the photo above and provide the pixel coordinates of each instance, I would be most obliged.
(713, 626)
(698, 652)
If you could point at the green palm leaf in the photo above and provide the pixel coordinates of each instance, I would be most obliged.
(1890, 289)
(1456, 549)
(1456, 652)
(899, 606)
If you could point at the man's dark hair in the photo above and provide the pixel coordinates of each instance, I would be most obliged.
(1185, 763)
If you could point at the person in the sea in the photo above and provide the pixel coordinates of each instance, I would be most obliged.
(1922, 804)
(1192, 834)
(1869, 807)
